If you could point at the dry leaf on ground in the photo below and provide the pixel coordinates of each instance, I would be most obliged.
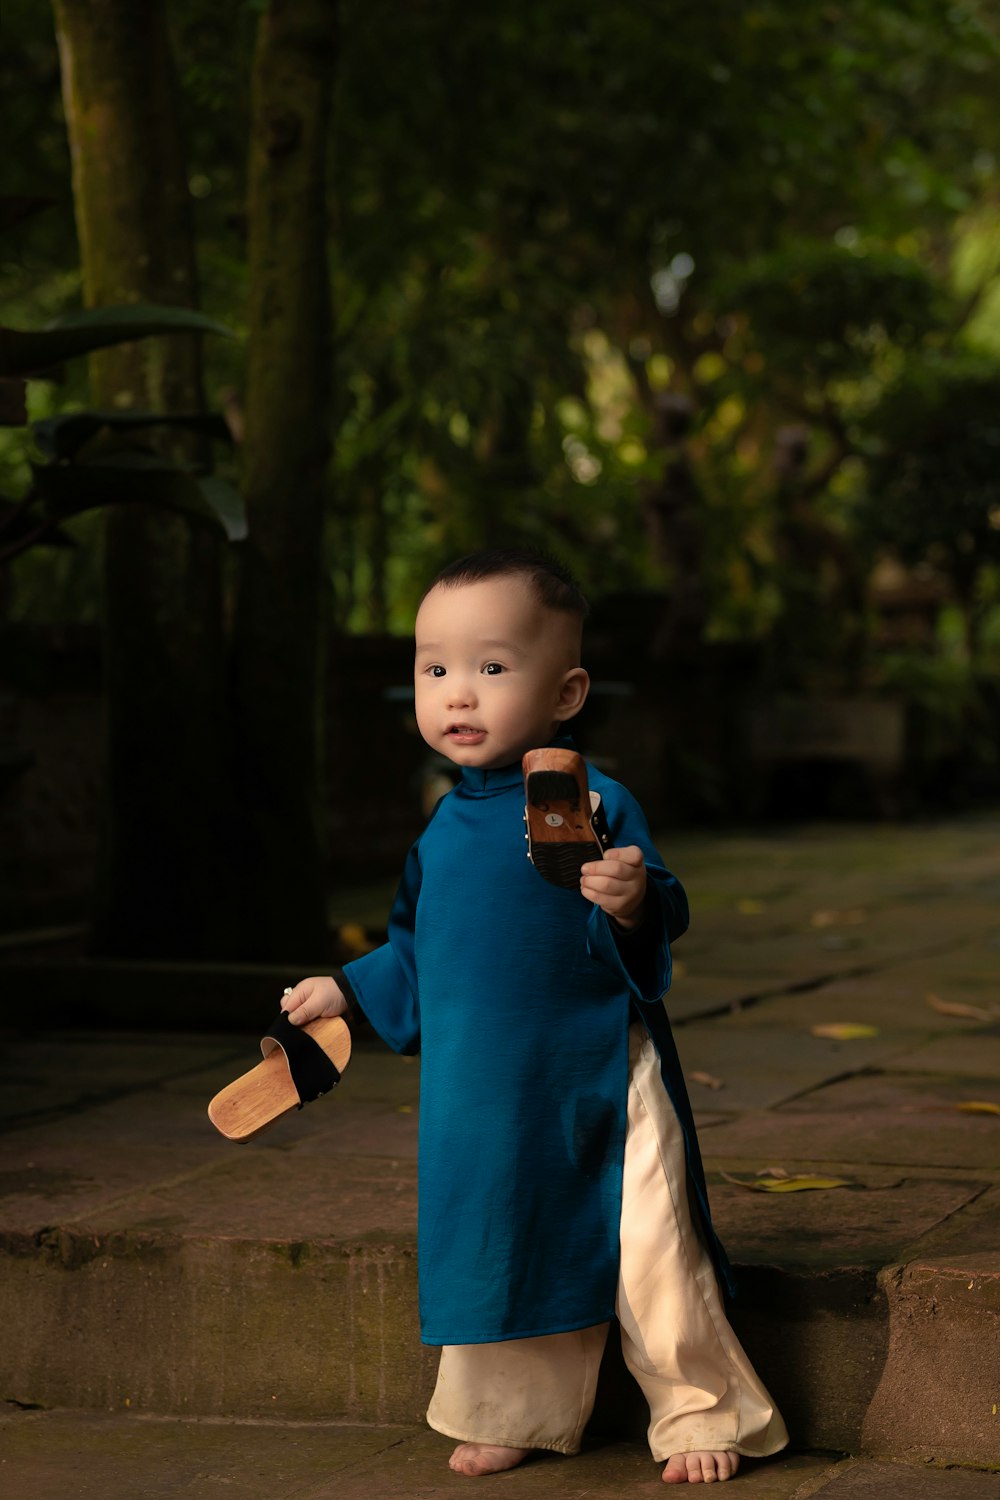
(959, 1008)
(844, 1031)
(977, 1107)
(355, 939)
(802, 1183)
(852, 918)
(709, 1080)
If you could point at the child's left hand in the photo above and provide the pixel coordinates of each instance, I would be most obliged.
(617, 884)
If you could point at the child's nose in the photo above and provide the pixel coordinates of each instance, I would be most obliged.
(461, 692)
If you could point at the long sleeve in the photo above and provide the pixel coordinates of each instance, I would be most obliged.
(383, 983)
(641, 957)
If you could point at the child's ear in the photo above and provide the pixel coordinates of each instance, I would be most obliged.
(572, 693)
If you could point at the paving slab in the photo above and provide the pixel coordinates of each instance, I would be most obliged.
(973, 1230)
(840, 860)
(51, 1182)
(761, 1064)
(65, 1455)
(799, 961)
(972, 1054)
(56, 1180)
(867, 1481)
(68, 1455)
(48, 1073)
(870, 1224)
(279, 1196)
(888, 1119)
(706, 993)
(968, 972)
(767, 1052)
(894, 997)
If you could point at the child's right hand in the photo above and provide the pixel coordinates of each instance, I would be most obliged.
(319, 996)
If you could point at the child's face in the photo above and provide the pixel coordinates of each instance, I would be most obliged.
(495, 671)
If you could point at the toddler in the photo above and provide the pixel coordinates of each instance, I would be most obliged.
(560, 1182)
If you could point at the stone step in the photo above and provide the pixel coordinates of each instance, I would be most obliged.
(899, 1363)
(148, 1266)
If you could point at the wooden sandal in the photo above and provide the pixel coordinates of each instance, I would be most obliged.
(567, 828)
(300, 1063)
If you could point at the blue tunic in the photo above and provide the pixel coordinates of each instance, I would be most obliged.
(518, 995)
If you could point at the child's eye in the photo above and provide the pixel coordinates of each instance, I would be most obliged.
(492, 669)
(436, 670)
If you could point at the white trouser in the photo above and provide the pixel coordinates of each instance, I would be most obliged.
(702, 1391)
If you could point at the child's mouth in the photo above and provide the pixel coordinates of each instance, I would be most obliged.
(465, 734)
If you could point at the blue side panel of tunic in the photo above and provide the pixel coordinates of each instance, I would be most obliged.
(518, 996)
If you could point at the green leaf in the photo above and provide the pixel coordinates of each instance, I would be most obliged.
(64, 436)
(227, 503)
(844, 1031)
(29, 352)
(137, 478)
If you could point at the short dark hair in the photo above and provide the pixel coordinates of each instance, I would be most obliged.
(553, 584)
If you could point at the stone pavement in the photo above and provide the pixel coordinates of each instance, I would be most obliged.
(151, 1272)
(78, 1455)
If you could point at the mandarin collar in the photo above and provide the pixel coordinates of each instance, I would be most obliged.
(481, 783)
(477, 783)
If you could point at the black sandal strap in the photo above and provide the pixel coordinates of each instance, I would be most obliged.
(311, 1070)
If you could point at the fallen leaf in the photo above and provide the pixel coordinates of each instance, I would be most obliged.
(799, 1184)
(355, 939)
(748, 907)
(977, 1107)
(958, 1008)
(708, 1079)
(679, 968)
(404, 1109)
(852, 918)
(844, 1031)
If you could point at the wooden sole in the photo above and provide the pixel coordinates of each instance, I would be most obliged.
(256, 1100)
(559, 816)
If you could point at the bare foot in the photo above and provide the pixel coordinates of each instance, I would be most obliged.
(698, 1468)
(485, 1458)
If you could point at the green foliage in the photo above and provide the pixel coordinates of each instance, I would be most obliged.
(62, 437)
(136, 477)
(95, 459)
(819, 311)
(546, 217)
(952, 714)
(73, 334)
(753, 202)
(935, 482)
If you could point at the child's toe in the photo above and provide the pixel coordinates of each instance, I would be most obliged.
(700, 1468)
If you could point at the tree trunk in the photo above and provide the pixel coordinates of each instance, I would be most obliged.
(164, 868)
(286, 455)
